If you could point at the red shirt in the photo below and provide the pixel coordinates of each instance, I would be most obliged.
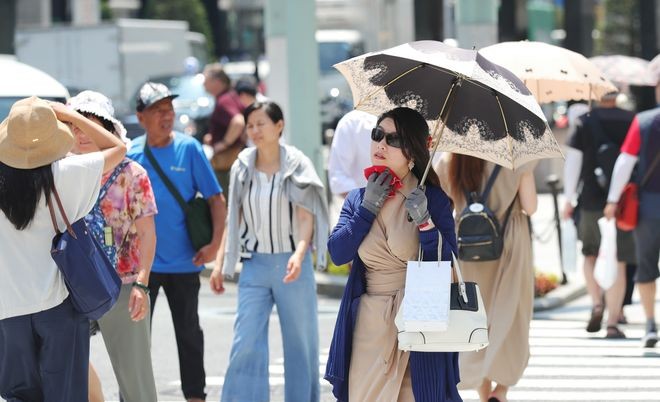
(227, 105)
(633, 140)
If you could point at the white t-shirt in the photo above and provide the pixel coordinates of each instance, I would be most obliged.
(29, 279)
(350, 151)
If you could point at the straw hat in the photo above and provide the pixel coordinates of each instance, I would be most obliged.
(31, 136)
(100, 106)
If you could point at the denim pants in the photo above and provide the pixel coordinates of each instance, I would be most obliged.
(44, 356)
(182, 291)
(259, 287)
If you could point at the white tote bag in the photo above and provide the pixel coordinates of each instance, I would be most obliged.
(606, 268)
(426, 300)
(467, 328)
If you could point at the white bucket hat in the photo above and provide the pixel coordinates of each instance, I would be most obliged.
(100, 106)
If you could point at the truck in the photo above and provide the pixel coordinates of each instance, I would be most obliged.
(113, 58)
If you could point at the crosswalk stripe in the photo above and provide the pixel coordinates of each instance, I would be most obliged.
(516, 395)
(566, 364)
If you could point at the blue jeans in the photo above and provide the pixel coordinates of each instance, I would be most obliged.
(259, 287)
(44, 356)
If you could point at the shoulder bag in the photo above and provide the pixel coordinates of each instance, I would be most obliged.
(467, 323)
(223, 160)
(197, 211)
(627, 209)
(89, 275)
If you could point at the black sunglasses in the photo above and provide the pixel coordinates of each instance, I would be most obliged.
(391, 139)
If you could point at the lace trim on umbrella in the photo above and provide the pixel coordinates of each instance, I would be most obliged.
(468, 124)
(413, 101)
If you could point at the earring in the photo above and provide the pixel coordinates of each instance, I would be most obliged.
(411, 165)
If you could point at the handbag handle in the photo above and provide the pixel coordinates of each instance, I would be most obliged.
(52, 214)
(459, 277)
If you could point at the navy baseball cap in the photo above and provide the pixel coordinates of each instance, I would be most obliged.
(152, 92)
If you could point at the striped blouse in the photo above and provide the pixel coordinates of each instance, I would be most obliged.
(267, 224)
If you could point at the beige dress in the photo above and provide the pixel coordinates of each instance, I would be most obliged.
(507, 286)
(379, 370)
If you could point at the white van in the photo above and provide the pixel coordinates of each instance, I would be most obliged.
(18, 80)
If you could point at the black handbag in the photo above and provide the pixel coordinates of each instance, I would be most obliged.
(197, 211)
(89, 275)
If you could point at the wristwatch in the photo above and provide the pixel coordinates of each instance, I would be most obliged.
(142, 286)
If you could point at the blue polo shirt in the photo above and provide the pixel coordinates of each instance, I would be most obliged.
(186, 166)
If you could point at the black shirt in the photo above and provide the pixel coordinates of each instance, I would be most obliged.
(615, 123)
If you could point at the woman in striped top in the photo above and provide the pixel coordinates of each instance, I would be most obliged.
(276, 205)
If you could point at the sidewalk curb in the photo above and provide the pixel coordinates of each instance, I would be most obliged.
(560, 296)
(333, 286)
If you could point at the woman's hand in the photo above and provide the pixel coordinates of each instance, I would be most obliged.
(417, 206)
(375, 194)
(217, 281)
(293, 268)
(138, 304)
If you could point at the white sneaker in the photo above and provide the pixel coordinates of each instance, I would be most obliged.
(650, 339)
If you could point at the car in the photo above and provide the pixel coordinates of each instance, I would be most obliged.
(19, 80)
(193, 106)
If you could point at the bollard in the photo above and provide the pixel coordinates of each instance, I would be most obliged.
(553, 182)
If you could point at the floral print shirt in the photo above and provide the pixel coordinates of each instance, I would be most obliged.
(129, 198)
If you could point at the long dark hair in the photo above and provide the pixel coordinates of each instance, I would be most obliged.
(465, 174)
(414, 132)
(21, 190)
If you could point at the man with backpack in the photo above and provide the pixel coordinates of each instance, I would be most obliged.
(642, 147)
(592, 151)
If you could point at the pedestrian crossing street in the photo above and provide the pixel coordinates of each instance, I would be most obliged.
(566, 364)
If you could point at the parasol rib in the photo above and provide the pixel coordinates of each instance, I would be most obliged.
(388, 84)
(506, 126)
(457, 82)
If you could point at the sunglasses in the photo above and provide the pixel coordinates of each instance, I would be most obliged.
(391, 139)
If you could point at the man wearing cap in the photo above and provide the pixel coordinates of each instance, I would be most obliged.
(177, 265)
(642, 147)
(226, 125)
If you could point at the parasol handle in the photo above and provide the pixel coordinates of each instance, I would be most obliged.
(448, 105)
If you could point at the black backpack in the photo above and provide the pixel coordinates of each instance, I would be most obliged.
(607, 152)
(480, 237)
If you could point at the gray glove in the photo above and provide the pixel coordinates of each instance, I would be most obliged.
(417, 206)
(378, 186)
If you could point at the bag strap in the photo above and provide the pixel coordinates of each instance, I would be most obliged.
(111, 179)
(170, 186)
(459, 278)
(420, 253)
(64, 217)
(508, 214)
(489, 186)
(652, 166)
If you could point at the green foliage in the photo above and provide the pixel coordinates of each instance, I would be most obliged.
(106, 11)
(192, 11)
(620, 28)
